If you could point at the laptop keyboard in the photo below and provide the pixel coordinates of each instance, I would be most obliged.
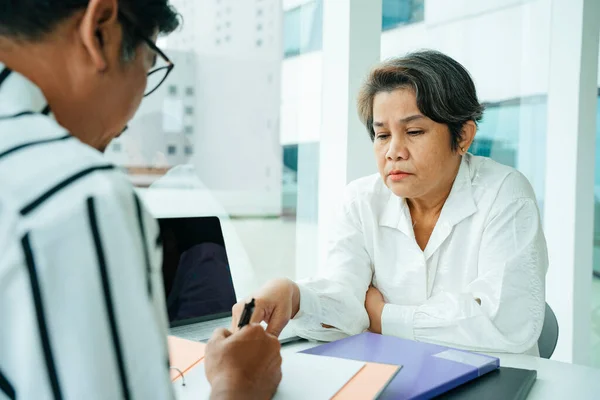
(202, 331)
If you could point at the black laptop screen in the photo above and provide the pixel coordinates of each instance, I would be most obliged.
(196, 273)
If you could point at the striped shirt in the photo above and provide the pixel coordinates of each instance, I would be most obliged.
(82, 310)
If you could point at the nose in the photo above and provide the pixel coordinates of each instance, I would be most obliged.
(397, 149)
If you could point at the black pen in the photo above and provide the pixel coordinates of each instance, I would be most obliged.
(246, 314)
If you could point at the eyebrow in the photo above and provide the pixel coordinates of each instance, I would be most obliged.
(402, 121)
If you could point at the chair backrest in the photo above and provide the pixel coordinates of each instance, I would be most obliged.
(549, 336)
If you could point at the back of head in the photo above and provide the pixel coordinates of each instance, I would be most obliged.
(90, 58)
(31, 20)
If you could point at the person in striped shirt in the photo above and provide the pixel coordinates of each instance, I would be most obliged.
(82, 308)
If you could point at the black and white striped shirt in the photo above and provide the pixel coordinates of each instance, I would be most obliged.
(82, 311)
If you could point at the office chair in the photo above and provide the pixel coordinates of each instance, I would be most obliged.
(549, 336)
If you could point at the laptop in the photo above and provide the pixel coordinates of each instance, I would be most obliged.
(197, 278)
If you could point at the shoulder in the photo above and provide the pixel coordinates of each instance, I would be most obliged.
(490, 178)
(53, 182)
(501, 190)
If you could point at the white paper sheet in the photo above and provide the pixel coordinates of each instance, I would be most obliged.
(305, 376)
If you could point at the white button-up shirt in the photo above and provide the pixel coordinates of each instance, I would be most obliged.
(488, 244)
(82, 309)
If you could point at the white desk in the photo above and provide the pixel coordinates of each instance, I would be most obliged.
(555, 380)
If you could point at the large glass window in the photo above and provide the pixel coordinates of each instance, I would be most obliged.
(513, 132)
(209, 141)
(401, 12)
(303, 29)
(303, 26)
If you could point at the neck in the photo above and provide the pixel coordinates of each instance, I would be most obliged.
(42, 62)
(46, 64)
(432, 203)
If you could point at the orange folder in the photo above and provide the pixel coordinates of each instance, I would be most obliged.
(368, 383)
(184, 354)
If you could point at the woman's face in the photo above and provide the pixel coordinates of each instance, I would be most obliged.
(414, 154)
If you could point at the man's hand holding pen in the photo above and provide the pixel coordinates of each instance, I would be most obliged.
(245, 364)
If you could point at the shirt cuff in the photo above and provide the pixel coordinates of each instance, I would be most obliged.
(309, 302)
(398, 321)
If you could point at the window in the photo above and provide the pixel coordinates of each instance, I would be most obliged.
(303, 25)
(308, 180)
(512, 132)
(401, 12)
(214, 149)
(303, 29)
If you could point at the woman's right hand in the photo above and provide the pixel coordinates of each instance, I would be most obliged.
(276, 304)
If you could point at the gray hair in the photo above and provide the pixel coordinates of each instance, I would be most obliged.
(444, 89)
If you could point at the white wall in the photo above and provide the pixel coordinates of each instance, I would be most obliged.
(442, 11)
(301, 98)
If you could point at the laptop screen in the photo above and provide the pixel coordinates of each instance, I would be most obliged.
(196, 273)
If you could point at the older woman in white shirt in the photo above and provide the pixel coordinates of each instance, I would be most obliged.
(439, 246)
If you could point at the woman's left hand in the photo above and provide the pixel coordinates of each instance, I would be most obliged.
(374, 303)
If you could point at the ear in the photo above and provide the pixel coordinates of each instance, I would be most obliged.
(468, 132)
(100, 31)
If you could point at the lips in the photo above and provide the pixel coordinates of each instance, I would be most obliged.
(398, 175)
(399, 172)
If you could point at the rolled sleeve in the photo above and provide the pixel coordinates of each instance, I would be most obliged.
(309, 303)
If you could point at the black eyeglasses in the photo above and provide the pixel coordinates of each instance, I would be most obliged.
(158, 74)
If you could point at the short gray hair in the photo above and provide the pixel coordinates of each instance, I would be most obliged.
(444, 89)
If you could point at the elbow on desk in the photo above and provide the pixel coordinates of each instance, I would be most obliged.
(522, 338)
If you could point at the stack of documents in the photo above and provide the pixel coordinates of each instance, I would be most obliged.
(183, 355)
(308, 377)
(428, 370)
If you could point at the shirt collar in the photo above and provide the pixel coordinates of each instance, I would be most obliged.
(19, 95)
(459, 205)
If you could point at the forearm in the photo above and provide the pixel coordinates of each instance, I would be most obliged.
(458, 319)
(326, 308)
